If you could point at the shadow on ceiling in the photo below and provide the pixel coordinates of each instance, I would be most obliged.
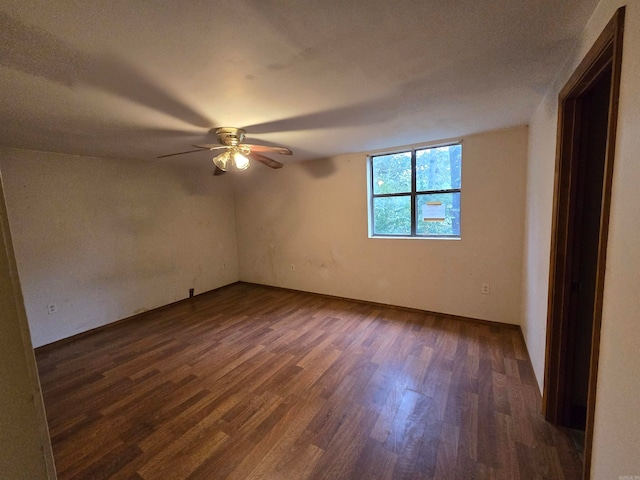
(36, 52)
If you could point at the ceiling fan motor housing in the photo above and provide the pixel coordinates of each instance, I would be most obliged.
(230, 136)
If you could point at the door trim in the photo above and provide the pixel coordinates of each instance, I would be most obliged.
(606, 52)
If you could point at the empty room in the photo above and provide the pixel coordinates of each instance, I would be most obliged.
(320, 240)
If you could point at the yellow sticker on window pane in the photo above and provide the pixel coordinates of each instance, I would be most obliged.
(433, 212)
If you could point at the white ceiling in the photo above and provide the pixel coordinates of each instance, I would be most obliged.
(141, 78)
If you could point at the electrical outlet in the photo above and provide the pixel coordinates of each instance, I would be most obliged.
(486, 289)
(293, 267)
(52, 308)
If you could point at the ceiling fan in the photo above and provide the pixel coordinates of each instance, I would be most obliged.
(235, 152)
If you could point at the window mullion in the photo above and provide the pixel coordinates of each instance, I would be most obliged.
(449, 190)
(386, 195)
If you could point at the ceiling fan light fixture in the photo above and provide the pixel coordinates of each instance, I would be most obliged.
(241, 162)
(235, 153)
(222, 161)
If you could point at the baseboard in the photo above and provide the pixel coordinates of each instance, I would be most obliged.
(64, 341)
(395, 307)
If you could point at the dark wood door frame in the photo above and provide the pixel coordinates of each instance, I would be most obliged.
(605, 56)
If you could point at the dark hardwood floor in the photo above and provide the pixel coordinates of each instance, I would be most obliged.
(251, 382)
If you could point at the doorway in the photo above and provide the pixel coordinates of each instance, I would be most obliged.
(587, 118)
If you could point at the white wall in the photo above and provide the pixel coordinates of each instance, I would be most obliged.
(617, 420)
(25, 449)
(105, 239)
(314, 215)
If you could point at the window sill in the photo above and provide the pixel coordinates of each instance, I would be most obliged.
(398, 237)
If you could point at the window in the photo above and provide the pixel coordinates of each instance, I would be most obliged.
(416, 193)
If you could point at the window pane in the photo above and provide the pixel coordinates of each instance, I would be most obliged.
(392, 215)
(392, 173)
(438, 168)
(450, 226)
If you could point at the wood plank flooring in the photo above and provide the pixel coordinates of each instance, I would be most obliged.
(251, 382)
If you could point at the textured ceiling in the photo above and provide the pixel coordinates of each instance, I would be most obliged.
(138, 79)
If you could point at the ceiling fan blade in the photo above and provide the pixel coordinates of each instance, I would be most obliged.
(268, 148)
(218, 171)
(269, 162)
(211, 146)
(181, 153)
(364, 113)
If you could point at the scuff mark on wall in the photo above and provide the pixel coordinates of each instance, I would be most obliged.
(271, 256)
(336, 255)
(325, 272)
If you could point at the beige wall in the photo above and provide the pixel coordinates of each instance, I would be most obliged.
(314, 215)
(25, 450)
(105, 239)
(617, 420)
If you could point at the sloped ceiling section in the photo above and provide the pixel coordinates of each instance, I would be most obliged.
(135, 80)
